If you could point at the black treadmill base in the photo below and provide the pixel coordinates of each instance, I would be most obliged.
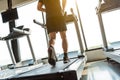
(67, 75)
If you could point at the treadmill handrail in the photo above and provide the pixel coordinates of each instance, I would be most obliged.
(23, 31)
(108, 5)
(17, 33)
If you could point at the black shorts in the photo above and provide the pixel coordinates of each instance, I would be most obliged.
(56, 24)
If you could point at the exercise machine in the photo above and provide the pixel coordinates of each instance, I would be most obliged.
(11, 39)
(19, 32)
(104, 7)
(10, 15)
(69, 71)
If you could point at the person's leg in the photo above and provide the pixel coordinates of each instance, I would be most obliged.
(52, 37)
(51, 52)
(64, 41)
(64, 45)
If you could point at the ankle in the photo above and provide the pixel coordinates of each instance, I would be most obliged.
(65, 55)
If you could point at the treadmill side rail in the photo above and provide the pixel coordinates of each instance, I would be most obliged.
(78, 66)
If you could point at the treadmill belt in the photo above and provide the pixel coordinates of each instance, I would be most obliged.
(46, 69)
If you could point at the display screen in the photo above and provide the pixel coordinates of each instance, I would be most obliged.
(9, 15)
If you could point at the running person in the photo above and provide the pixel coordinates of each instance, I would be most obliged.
(55, 23)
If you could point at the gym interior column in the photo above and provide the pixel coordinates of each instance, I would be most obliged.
(14, 43)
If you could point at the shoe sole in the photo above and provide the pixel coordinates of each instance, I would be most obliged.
(52, 62)
(66, 61)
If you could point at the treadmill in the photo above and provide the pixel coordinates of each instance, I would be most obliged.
(104, 7)
(69, 71)
(19, 32)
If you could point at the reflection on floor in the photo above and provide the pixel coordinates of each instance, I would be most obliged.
(101, 70)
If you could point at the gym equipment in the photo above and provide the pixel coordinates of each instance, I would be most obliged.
(69, 71)
(42, 25)
(107, 6)
(19, 32)
(10, 15)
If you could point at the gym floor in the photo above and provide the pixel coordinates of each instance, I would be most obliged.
(101, 70)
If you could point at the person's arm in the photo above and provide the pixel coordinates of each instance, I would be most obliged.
(63, 4)
(40, 7)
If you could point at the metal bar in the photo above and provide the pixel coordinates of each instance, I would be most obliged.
(79, 36)
(32, 52)
(105, 44)
(81, 26)
(78, 33)
(11, 53)
(46, 33)
(14, 43)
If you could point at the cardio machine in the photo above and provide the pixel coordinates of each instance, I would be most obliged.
(70, 71)
(62, 70)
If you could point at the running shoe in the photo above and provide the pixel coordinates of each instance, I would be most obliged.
(66, 59)
(51, 56)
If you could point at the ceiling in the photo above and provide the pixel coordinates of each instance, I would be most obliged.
(15, 3)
